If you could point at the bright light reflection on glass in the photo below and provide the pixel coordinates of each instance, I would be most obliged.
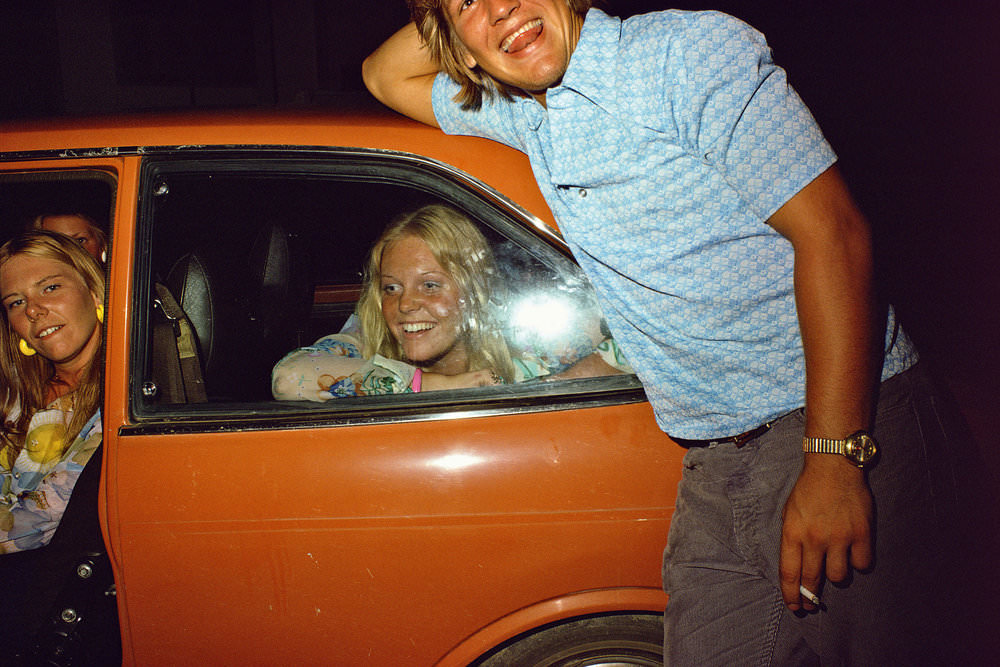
(541, 316)
(454, 462)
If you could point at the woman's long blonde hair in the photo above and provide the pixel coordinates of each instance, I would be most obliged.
(26, 379)
(461, 250)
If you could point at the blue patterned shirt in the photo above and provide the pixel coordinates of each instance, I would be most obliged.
(670, 141)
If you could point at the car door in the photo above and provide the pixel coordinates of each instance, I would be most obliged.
(415, 528)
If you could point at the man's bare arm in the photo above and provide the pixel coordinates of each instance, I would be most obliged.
(827, 519)
(400, 74)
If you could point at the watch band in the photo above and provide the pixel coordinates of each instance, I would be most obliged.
(824, 445)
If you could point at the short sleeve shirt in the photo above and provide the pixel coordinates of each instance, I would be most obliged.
(670, 141)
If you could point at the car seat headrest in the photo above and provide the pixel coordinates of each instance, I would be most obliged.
(271, 276)
(192, 285)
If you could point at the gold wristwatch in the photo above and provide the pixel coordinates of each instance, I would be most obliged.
(859, 448)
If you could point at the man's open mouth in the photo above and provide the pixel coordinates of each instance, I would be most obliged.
(522, 37)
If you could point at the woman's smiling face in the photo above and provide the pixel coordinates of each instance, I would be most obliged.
(422, 306)
(49, 305)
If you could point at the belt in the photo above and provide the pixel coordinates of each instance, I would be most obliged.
(739, 440)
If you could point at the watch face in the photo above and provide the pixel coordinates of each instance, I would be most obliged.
(860, 449)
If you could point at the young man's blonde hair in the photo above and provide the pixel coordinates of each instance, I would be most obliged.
(446, 49)
(461, 250)
(24, 379)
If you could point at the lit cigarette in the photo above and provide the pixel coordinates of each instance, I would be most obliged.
(809, 595)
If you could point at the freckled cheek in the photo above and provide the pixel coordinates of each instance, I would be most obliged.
(20, 326)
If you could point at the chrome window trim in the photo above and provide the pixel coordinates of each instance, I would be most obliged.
(610, 391)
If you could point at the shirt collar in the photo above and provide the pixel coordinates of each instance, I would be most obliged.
(532, 110)
(592, 69)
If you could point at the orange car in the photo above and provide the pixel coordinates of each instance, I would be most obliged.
(508, 525)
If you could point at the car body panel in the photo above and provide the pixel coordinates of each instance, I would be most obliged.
(324, 537)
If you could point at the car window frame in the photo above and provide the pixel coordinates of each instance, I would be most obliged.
(436, 178)
(70, 174)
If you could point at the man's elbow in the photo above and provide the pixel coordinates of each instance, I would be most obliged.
(369, 74)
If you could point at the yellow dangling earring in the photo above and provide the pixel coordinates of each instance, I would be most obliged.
(26, 349)
(100, 313)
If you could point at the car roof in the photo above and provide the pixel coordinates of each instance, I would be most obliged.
(503, 168)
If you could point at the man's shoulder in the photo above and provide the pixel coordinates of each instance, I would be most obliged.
(660, 26)
(683, 48)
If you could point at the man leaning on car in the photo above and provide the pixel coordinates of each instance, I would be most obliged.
(736, 272)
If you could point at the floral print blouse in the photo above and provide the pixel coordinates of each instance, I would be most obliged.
(36, 486)
(333, 367)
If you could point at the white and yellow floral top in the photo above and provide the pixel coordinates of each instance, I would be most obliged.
(333, 367)
(36, 486)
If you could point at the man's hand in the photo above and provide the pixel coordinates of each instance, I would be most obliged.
(827, 520)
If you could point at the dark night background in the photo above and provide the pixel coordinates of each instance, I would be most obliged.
(905, 93)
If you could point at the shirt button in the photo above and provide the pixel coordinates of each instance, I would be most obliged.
(583, 192)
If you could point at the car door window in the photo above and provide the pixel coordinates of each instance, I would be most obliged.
(262, 256)
(25, 196)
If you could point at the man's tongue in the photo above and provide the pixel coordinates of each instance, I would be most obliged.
(524, 39)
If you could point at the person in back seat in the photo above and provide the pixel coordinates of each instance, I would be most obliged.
(427, 319)
(81, 228)
(50, 348)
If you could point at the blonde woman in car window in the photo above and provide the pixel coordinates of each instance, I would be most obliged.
(50, 393)
(426, 320)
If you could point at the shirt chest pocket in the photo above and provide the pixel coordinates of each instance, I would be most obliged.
(590, 148)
